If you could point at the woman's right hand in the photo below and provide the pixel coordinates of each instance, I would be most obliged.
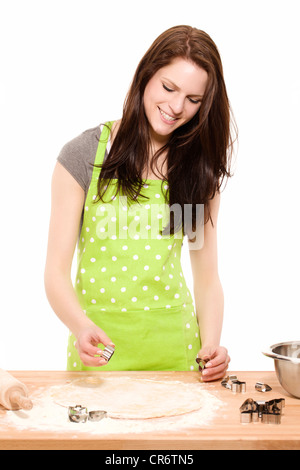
(87, 346)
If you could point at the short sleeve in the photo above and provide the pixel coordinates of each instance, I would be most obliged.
(78, 156)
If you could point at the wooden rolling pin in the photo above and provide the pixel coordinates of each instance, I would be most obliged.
(13, 394)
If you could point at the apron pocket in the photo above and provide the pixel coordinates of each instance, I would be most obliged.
(157, 339)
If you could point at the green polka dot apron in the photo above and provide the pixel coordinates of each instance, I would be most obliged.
(130, 282)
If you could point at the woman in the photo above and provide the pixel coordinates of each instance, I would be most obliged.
(112, 185)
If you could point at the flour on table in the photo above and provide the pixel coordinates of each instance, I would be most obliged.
(132, 405)
(131, 398)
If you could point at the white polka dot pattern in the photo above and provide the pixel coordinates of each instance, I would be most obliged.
(129, 273)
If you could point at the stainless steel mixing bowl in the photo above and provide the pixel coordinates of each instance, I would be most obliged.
(287, 365)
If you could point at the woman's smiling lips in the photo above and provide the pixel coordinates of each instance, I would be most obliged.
(166, 117)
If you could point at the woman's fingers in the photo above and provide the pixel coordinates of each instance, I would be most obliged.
(87, 346)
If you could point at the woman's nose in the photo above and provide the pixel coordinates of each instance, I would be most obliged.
(177, 104)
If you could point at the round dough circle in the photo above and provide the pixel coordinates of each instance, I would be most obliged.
(126, 398)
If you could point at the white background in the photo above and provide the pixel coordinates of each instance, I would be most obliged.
(66, 66)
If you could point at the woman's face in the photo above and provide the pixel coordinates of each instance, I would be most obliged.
(172, 97)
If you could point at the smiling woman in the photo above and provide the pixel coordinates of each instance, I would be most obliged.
(175, 136)
(172, 98)
(171, 148)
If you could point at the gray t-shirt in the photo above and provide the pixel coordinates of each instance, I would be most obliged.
(78, 156)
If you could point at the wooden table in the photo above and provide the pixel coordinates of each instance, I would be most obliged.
(224, 432)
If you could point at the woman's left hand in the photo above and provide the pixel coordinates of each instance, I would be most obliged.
(218, 362)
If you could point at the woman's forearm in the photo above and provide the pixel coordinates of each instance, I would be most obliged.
(67, 201)
(63, 300)
(209, 303)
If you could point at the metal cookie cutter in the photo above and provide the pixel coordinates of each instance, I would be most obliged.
(249, 411)
(202, 362)
(273, 412)
(271, 418)
(267, 412)
(108, 352)
(97, 415)
(78, 414)
(276, 405)
(260, 387)
(232, 383)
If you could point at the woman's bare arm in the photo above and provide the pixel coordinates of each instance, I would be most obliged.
(67, 201)
(209, 298)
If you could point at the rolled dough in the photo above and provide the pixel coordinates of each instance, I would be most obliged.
(126, 398)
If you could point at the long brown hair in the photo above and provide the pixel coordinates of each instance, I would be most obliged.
(200, 150)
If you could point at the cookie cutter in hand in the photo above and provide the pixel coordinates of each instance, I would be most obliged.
(232, 383)
(108, 352)
(202, 362)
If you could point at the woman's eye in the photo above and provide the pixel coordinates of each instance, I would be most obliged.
(190, 99)
(194, 101)
(166, 88)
